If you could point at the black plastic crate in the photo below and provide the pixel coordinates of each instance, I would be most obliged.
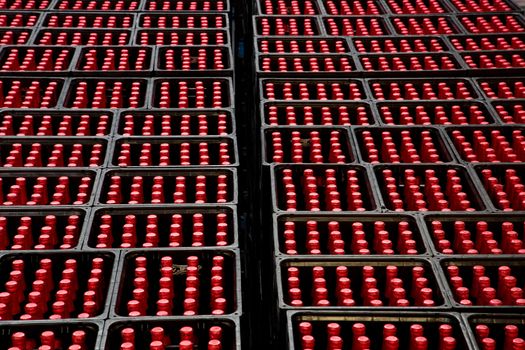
(494, 62)
(84, 334)
(68, 285)
(176, 123)
(18, 20)
(504, 185)
(79, 37)
(484, 6)
(402, 145)
(316, 113)
(425, 25)
(307, 145)
(356, 26)
(495, 330)
(38, 122)
(302, 46)
(493, 23)
(29, 92)
(377, 235)
(174, 152)
(358, 7)
(510, 112)
(22, 5)
(194, 61)
(312, 89)
(114, 60)
(215, 333)
(35, 60)
(168, 187)
(101, 5)
(484, 284)
(53, 153)
(288, 7)
(423, 89)
(190, 6)
(96, 93)
(397, 44)
(487, 42)
(202, 21)
(192, 93)
(488, 144)
(292, 65)
(377, 330)
(356, 283)
(502, 88)
(406, 64)
(417, 187)
(14, 36)
(107, 20)
(42, 230)
(174, 37)
(485, 234)
(314, 188)
(286, 26)
(47, 187)
(206, 282)
(156, 229)
(418, 7)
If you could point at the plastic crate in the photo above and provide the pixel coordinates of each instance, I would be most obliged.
(19, 20)
(377, 330)
(13, 36)
(423, 89)
(182, 21)
(42, 230)
(418, 7)
(425, 25)
(402, 145)
(19, 5)
(307, 145)
(188, 37)
(434, 113)
(47, 187)
(312, 89)
(29, 92)
(494, 62)
(57, 286)
(324, 235)
(488, 144)
(502, 330)
(358, 7)
(40, 334)
(156, 229)
(207, 282)
(176, 123)
(286, 26)
(125, 61)
(107, 20)
(52, 152)
(358, 283)
(418, 187)
(96, 93)
(314, 188)
(33, 60)
(168, 187)
(302, 46)
(174, 152)
(192, 93)
(180, 5)
(504, 185)
(215, 333)
(484, 284)
(316, 113)
(101, 5)
(510, 112)
(502, 88)
(79, 37)
(493, 23)
(293, 65)
(429, 64)
(396, 44)
(288, 7)
(194, 61)
(356, 26)
(488, 42)
(37, 122)
(484, 6)
(486, 234)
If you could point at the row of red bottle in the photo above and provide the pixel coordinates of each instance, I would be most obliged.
(78, 37)
(437, 62)
(423, 90)
(182, 37)
(306, 64)
(115, 59)
(506, 188)
(27, 93)
(34, 59)
(11, 37)
(487, 336)
(97, 94)
(344, 114)
(50, 340)
(309, 90)
(102, 5)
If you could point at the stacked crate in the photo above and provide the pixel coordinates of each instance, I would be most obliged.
(118, 179)
(393, 148)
